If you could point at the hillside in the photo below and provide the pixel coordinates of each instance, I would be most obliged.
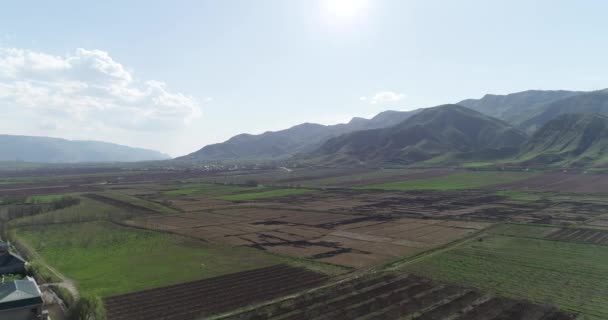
(285, 143)
(516, 108)
(54, 150)
(587, 103)
(440, 133)
(569, 140)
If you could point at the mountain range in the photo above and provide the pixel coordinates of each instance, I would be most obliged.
(55, 150)
(535, 127)
(433, 132)
(494, 127)
(286, 143)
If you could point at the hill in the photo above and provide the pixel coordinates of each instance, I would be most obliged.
(516, 108)
(569, 140)
(285, 143)
(437, 134)
(55, 150)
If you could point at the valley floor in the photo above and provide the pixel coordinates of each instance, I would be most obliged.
(488, 238)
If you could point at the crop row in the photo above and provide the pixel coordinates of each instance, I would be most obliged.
(394, 296)
(204, 297)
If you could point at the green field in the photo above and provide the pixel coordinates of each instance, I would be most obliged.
(106, 259)
(573, 276)
(139, 202)
(206, 189)
(267, 194)
(45, 198)
(86, 210)
(462, 180)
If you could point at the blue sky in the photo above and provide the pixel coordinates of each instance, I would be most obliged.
(177, 75)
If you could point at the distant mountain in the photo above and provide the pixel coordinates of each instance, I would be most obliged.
(517, 108)
(432, 134)
(54, 150)
(569, 140)
(285, 143)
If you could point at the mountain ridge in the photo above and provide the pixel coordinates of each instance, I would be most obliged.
(283, 144)
(575, 140)
(430, 133)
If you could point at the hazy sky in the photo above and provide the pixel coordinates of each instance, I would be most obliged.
(177, 75)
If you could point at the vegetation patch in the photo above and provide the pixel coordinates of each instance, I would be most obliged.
(139, 202)
(266, 194)
(44, 198)
(570, 275)
(86, 210)
(462, 180)
(520, 196)
(105, 259)
(206, 189)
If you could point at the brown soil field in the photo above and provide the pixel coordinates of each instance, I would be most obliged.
(482, 206)
(339, 238)
(198, 299)
(398, 296)
(560, 182)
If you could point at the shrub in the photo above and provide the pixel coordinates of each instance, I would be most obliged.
(64, 294)
(89, 307)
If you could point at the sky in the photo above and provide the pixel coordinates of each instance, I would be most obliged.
(177, 75)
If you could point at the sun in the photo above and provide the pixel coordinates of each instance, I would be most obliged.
(345, 10)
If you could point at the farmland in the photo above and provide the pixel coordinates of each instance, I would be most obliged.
(206, 297)
(398, 296)
(523, 261)
(394, 235)
(106, 259)
(468, 180)
(266, 194)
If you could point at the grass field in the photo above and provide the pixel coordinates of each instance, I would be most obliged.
(206, 189)
(266, 194)
(86, 210)
(139, 202)
(44, 198)
(106, 259)
(462, 180)
(515, 262)
(520, 196)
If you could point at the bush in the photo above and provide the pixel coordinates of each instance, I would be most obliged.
(41, 273)
(64, 294)
(63, 202)
(89, 307)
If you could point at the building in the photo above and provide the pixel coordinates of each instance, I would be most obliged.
(10, 263)
(21, 300)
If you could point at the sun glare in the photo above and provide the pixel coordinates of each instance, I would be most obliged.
(344, 10)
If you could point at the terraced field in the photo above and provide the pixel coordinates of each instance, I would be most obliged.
(398, 296)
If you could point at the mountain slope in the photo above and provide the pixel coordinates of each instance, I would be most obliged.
(517, 107)
(54, 150)
(432, 133)
(569, 140)
(285, 143)
(587, 103)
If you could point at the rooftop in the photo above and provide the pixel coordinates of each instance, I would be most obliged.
(19, 293)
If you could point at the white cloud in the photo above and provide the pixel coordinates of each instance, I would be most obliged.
(89, 88)
(384, 97)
